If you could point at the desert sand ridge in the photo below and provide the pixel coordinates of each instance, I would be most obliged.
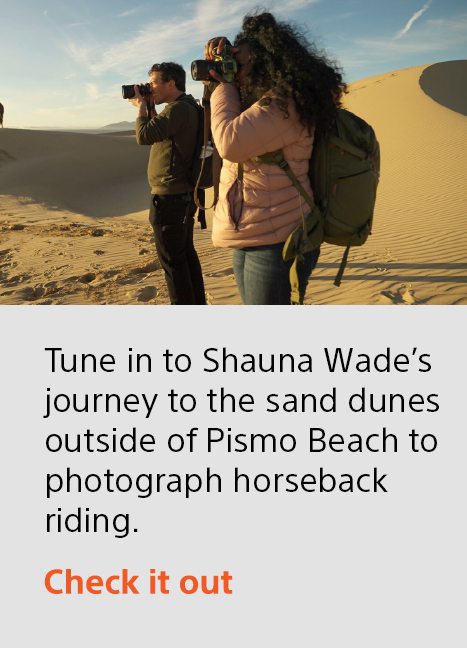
(93, 175)
(73, 210)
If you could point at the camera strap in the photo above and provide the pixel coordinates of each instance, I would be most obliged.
(206, 103)
(150, 108)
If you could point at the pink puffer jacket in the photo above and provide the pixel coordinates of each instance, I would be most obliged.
(272, 207)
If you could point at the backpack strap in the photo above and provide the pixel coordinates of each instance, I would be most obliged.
(240, 173)
(277, 157)
(348, 147)
(175, 150)
(294, 283)
(206, 127)
(340, 272)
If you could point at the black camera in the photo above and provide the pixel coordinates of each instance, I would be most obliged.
(128, 91)
(224, 64)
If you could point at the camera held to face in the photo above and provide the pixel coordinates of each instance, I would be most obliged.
(224, 64)
(128, 91)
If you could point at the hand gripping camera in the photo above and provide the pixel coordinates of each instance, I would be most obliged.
(224, 64)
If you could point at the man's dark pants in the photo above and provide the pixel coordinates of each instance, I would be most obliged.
(172, 219)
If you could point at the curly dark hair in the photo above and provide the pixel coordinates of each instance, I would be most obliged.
(286, 63)
(171, 71)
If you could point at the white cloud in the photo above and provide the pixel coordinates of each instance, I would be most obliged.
(415, 17)
(131, 12)
(384, 47)
(434, 36)
(171, 39)
(458, 24)
(92, 90)
(79, 54)
(435, 40)
(77, 24)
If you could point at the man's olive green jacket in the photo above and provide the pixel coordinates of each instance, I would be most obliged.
(172, 134)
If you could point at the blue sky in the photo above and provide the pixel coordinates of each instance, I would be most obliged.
(63, 61)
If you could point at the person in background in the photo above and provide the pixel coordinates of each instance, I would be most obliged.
(282, 92)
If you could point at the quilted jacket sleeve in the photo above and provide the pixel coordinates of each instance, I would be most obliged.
(241, 135)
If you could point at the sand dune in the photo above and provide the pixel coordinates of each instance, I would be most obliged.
(73, 219)
(94, 175)
(420, 235)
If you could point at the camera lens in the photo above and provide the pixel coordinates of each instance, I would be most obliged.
(200, 70)
(128, 91)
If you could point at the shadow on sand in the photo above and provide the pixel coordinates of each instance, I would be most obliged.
(384, 271)
(446, 83)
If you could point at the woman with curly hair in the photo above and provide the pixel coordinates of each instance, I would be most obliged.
(283, 91)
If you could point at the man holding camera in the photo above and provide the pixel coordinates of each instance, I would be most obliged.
(172, 135)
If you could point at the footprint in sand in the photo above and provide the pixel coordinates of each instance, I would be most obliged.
(226, 272)
(6, 257)
(387, 296)
(139, 274)
(31, 294)
(108, 274)
(152, 266)
(388, 256)
(146, 294)
(87, 278)
(403, 295)
(407, 296)
(16, 280)
(381, 269)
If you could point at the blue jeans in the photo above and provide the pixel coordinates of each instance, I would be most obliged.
(263, 277)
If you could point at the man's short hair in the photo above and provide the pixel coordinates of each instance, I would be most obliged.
(169, 72)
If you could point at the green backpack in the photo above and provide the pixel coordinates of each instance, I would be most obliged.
(344, 175)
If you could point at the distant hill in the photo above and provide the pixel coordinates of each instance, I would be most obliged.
(123, 125)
